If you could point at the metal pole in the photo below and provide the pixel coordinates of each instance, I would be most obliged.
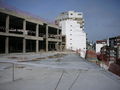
(13, 72)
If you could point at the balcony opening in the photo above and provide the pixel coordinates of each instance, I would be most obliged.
(52, 46)
(52, 32)
(42, 46)
(15, 25)
(15, 44)
(42, 30)
(30, 45)
(2, 44)
(31, 28)
(2, 22)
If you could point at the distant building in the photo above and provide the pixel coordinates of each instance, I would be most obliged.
(72, 24)
(114, 53)
(100, 44)
(112, 50)
(110, 55)
(90, 45)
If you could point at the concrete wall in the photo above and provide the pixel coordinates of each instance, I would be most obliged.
(98, 47)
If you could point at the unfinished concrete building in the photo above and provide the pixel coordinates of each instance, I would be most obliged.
(20, 33)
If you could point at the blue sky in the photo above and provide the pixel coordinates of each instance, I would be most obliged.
(102, 17)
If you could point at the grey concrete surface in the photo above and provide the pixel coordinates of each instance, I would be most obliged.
(69, 72)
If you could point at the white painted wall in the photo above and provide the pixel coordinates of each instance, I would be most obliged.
(99, 46)
(75, 36)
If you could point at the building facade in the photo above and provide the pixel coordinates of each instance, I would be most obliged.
(100, 44)
(110, 55)
(72, 24)
(21, 33)
(114, 52)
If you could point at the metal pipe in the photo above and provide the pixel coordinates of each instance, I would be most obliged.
(13, 70)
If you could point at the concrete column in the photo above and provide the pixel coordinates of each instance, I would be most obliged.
(24, 33)
(7, 45)
(57, 44)
(37, 35)
(61, 40)
(7, 24)
(7, 38)
(60, 46)
(37, 44)
(61, 35)
(24, 27)
(24, 45)
(46, 38)
(37, 30)
(57, 33)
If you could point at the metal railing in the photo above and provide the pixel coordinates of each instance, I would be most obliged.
(13, 69)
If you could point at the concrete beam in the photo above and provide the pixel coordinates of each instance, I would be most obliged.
(54, 40)
(10, 34)
(53, 25)
(33, 38)
(22, 36)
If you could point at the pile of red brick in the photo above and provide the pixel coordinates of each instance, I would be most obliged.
(114, 68)
(91, 54)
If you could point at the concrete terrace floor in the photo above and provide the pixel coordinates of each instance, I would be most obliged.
(46, 72)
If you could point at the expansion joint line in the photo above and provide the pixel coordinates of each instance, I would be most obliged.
(74, 81)
(59, 79)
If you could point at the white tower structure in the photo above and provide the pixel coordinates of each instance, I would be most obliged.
(72, 24)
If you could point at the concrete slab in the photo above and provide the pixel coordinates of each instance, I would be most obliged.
(64, 73)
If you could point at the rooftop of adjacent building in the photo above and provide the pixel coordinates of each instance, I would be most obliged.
(101, 41)
(70, 15)
(116, 37)
(110, 38)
